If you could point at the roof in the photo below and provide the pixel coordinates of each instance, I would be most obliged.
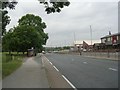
(97, 43)
(78, 42)
(111, 35)
(87, 41)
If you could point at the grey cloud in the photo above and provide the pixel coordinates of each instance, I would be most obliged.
(76, 18)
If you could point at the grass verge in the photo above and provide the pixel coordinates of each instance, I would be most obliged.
(10, 63)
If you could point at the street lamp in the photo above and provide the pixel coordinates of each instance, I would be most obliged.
(91, 33)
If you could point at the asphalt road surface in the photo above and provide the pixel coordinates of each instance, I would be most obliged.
(84, 72)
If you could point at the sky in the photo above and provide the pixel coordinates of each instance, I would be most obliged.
(73, 22)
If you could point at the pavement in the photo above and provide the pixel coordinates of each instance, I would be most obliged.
(30, 75)
(86, 72)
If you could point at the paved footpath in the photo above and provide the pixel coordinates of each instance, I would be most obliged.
(30, 75)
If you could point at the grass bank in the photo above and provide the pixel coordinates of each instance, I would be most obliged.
(0, 66)
(10, 63)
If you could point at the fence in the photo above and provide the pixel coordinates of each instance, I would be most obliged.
(107, 55)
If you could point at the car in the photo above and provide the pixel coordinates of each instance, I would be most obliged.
(43, 52)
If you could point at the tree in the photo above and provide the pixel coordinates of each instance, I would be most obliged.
(5, 17)
(9, 3)
(5, 21)
(29, 33)
(28, 37)
(66, 47)
(12, 40)
(52, 6)
(36, 22)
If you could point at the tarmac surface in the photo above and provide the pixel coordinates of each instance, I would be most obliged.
(86, 72)
(64, 71)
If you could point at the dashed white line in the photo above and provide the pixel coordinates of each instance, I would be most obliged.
(64, 76)
(56, 68)
(46, 58)
(42, 63)
(113, 69)
(85, 62)
(51, 63)
(69, 82)
(72, 59)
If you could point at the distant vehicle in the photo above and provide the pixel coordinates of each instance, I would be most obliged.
(43, 52)
(84, 50)
(49, 51)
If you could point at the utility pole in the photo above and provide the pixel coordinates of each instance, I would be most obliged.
(74, 37)
(91, 33)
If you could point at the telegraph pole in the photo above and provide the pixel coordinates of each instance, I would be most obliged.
(91, 33)
(74, 37)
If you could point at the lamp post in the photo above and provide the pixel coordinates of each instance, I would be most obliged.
(91, 33)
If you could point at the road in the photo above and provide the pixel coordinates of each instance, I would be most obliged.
(84, 72)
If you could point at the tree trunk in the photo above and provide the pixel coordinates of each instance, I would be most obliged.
(17, 52)
(9, 52)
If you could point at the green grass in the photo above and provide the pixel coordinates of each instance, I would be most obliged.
(0, 66)
(10, 63)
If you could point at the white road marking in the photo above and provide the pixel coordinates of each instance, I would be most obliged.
(69, 82)
(56, 68)
(42, 63)
(46, 58)
(85, 62)
(72, 59)
(51, 63)
(64, 77)
(113, 69)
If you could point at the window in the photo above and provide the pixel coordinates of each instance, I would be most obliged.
(103, 40)
(117, 37)
(109, 39)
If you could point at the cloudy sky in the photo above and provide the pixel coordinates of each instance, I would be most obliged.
(73, 22)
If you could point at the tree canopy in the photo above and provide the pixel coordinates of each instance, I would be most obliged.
(5, 21)
(30, 30)
(10, 4)
(51, 6)
(29, 33)
(5, 17)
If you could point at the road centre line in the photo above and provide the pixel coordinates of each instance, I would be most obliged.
(113, 69)
(85, 62)
(69, 82)
(56, 68)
